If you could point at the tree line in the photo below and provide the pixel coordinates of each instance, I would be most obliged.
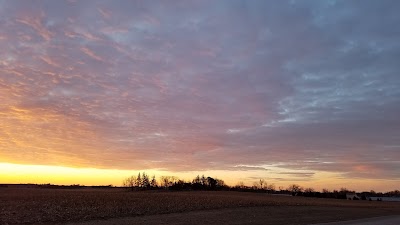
(143, 181)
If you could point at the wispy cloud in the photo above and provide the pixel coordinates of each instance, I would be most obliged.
(203, 85)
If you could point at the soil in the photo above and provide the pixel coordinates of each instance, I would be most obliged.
(257, 215)
(116, 206)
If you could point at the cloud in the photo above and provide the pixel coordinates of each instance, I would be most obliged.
(106, 14)
(91, 54)
(37, 25)
(297, 85)
(246, 168)
(298, 174)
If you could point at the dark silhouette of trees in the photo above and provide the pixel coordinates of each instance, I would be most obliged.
(395, 193)
(153, 182)
(325, 193)
(220, 183)
(240, 185)
(130, 182)
(143, 182)
(309, 192)
(261, 182)
(168, 181)
(196, 183)
(140, 182)
(295, 189)
(203, 180)
(209, 183)
(270, 188)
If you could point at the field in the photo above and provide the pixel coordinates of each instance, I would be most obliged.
(106, 206)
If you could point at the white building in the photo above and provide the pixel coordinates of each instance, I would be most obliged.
(386, 199)
(352, 196)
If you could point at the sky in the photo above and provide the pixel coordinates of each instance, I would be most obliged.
(295, 91)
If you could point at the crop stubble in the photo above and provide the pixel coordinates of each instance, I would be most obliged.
(35, 206)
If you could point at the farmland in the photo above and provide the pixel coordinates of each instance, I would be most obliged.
(50, 206)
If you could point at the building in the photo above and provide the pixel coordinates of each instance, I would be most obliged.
(352, 196)
(386, 199)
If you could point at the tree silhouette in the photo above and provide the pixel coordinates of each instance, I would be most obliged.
(130, 182)
(142, 181)
(309, 190)
(240, 185)
(261, 181)
(196, 183)
(168, 181)
(211, 183)
(139, 181)
(295, 189)
(145, 180)
(153, 182)
(203, 180)
(270, 187)
(220, 183)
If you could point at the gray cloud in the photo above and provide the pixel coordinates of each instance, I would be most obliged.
(202, 85)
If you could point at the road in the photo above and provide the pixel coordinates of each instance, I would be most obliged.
(385, 220)
(258, 215)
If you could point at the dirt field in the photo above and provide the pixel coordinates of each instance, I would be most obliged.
(113, 206)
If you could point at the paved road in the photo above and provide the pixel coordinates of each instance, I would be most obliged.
(385, 220)
(257, 215)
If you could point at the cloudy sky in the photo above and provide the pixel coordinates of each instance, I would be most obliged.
(283, 89)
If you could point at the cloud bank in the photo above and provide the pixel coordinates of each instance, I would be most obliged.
(202, 85)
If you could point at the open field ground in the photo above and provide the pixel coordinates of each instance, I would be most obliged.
(115, 206)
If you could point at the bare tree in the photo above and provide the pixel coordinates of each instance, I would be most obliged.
(220, 183)
(203, 180)
(295, 189)
(145, 180)
(256, 185)
(167, 181)
(211, 183)
(345, 190)
(153, 182)
(262, 182)
(309, 190)
(270, 187)
(196, 180)
(240, 185)
(139, 180)
(130, 182)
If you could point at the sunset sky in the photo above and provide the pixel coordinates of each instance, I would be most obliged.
(304, 92)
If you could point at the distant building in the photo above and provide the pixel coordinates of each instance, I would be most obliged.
(386, 199)
(352, 196)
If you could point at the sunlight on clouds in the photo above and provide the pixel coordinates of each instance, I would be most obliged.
(37, 135)
(92, 54)
(131, 86)
(37, 25)
(39, 174)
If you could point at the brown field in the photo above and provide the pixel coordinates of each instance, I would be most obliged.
(93, 206)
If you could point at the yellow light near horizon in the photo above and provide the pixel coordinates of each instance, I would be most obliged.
(16, 173)
(40, 174)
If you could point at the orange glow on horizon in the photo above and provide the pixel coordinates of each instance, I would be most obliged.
(41, 174)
